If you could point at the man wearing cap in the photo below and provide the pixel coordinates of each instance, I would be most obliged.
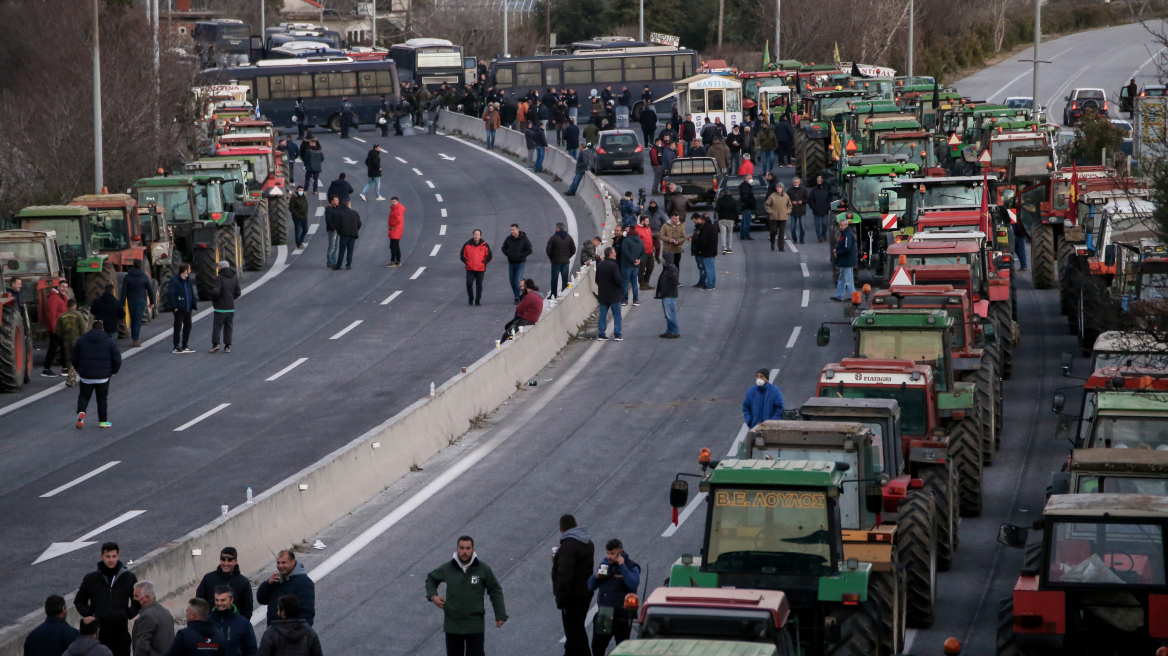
(223, 296)
(845, 259)
(764, 401)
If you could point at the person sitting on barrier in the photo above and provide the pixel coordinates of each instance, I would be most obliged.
(529, 310)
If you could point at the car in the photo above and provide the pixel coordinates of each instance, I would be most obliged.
(696, 177)
(619, 150)
(1126, 126)
(1154, 91)
(731, 182)
(1026, 102)
(1081, 100)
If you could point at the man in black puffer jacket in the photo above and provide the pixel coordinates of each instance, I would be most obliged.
(290, 635)
(107, 593)
(223, 296)
(95, 358)
(571, 568)
(200, 637)
(107, 309)
(227, 573)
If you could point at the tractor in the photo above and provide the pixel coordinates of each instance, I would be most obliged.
(1094, 584)
(251, 214)
(775, 525)
(1119, 407)
(822, 108)
(265, 182)
(863, 182)
(1117, 471)
(86, 242)
(15, 328)
(1130, 294)
(759, 617)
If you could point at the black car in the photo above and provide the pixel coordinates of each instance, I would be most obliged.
(1081, 100)
(696, 177)
(760, 194)
(619, 150)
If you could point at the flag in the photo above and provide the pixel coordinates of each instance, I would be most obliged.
(1074, 194)
(836, 150)
(936, 95)
(985, 202)
(837, 57)
(766, 56)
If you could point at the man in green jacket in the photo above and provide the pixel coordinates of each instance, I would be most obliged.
(467, 578)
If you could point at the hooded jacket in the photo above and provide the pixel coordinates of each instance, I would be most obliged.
(667, 282)
(560, 247)
(746, 196)
(108, 310)
(298, 584)
(298, 206)
(646, 235)
(464, 610)
(572, 567)
(290, 638)
(632, 249)
(530, 307)
(475, 256)
(107, 594)
(397, 221)
(240, 589)
(705, 240)
(225, 291)
(87, 646)
(720, 152)
(96, 357)
(766, 138)
(70, 326)
(784, 132)
(517, 249)
(726, 208)
(181, 294)
(313, 159)
(238, 634)
(340, 189)
(137, 286)
(199, 638)
(761, 404)
(55, 306)
(373, 164)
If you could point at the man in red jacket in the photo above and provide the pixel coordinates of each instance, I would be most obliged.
(55, 306)
(476, 254)
(529, 310)
(645, 232)
(397, 224)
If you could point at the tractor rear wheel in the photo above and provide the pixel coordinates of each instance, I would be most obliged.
(95, 282)
(205, 266)
(916, 544)
(230, 246)
(1063, 252)
(816, 157)
(253, 242)
(965, 450)
(162, 289)
(941, 482)
(1042, 256)
(1004, 326)
(14, 355)
(890, 594)
(859, 629)
(279, 216)
(986, 400)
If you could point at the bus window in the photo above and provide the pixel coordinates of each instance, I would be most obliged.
(551, 76)
(683, 65)
(276, 84)
(366, 83)
(663, 68)
(638, 69)
(607, 70)
(322, 86)
(717, 104)
(261, 88)
(385, 82)
(528, 74)
(577, 71)
(505, 76)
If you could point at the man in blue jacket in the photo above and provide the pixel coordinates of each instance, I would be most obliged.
(616, 576)
(236, 629)
(200, 637)
(763, 401)
(138, 294)
(182, 298)
(845, 259)
(289, 579)
(54, 635)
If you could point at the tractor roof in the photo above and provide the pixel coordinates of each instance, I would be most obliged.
(1107, 505)
(863, 107)
(915, 133)
(243, 150)
(1120, 461)
(952, 217)
(1114, 341)
(104, 200)
(1131, 402)
(876, 371)
(869, 170)
(772, 601)
(667, 647)
(215, 162)
(812, 473)
(1129, 378)
(892, 123)
(860, 408)
(166, 181)
(25, 235)
(932, 247)
(53, 210)
(940, 295)
(846, 434)
(903, 318)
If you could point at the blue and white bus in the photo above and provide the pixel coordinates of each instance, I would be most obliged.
(275, 85)
(432, 62)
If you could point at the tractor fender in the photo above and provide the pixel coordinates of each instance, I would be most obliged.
(1000, 291)
(981, 308)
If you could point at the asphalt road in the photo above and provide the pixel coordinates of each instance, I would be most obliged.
(319, 356)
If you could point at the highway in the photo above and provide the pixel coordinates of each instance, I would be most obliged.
(319, 357)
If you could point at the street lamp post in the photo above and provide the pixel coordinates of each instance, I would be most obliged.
(1037, 40)
(778, 13)
(641, 30)
(506, 50)
(910, 37)
(98, 172)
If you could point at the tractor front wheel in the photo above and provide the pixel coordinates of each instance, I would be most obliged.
(985, 397)
(965, 449)
(941, 482)
(205, 266)
(887, 587)
(14, 354)
(253, 242)
(279, 216)
(1042, 256)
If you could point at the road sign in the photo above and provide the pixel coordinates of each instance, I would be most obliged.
(1013, 215)
(901, 278)
(985, 157)
(665, 39)
(888, 221)
(954, 140)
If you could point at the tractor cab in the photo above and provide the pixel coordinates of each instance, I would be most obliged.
(1119, 407)
(1001, 144)
(1119, 349)
(760, 617)
(880, 416)
(915, 145)
(1113, 471)
(969, 334)
(80, 234)
(865, 180)
(236, 176)
(122, 241)
(938, 262)
(32, 256)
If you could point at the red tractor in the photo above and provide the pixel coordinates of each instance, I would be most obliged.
(266, 186)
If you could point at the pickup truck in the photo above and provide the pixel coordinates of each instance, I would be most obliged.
(696, 177)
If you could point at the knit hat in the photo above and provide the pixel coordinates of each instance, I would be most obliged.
(764, 372)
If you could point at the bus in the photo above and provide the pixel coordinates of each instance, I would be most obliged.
(432, 62)
(587, 70)
(222, 42)
(275, 84)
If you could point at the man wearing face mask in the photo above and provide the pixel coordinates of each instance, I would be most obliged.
(298, 207)
(764, 401)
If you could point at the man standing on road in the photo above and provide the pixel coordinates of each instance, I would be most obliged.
(673, 241)
(182, 298)
(657, 219)
(616, 577)
(346, 111)
(583, 164)
(819, 202)
(348, 230)
(476, 255)
(561, 248)
(298, 207)
(107, 595)
(53, 636)
(236, 629)
(55, 306)
(107, 309)
(340, 188)
(373, 168)
(223, 296)
(330, 227)
(785, 138)
(645, 273)
(288, 579)
(571, 568)
(199, 637)
(778, 208)
(845, 259)
(608, 294)
(541, 146)
(137, 294)
(747, 206)
(648, 123)
(491, 122)
(154, 626)
(705, 249)
(290, 634)
(227, 573)
(516, 248)
(397, 225)
(467, 579)
(96, 358)
(572, 138)
(667, 284)
(726, 209)
(632, 252)
(70, 327)
(763, 402)
(798, 196)
(313, 157)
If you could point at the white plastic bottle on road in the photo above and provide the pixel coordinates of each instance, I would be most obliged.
(249, 494)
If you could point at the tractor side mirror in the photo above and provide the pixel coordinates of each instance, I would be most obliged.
(1007, 197)
(874, 499)
(679, 494)
(1060, 401)
(990, 333)
(882, 201)
(1012, 536)
(823, 336)
(1065, 362)
(239, 188)
(1109, 255)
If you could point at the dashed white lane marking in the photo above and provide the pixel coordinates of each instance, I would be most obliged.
(359, 139)
(320, 211)
(436, 249)
(794, 336)
(417, 171)
(806, 273)
(444, 212)
(791, 245)
(201, 417)
(401, 160)
(313, 228)
(347, 328)
(439, 197)
(442, 230)
(322, 195)
(391, 297)
(287, 369)
(806, 298)
(417, 273)
(80, 479)
(349, 161)
(429, 184)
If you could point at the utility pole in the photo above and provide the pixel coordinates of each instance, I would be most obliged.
(262, 3)
(721, 14)
(98, 172)
(910, 37)
(1037, 41)
(154, 3)
(549, 26)
(778, 12)
(506, 52)
(374, 14)
(641, 29)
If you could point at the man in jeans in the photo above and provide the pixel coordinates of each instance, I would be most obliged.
(845, 259)
(608, 294)
(798, 196)
(348, 230)
(632, 252)
(583, 163)
(667, 284)
(223, 296)
(330, 227)
(516, 248)
(819, 202)
(298, 207)
(561, 248)
(705, 249)
(138, 294)
(182, 296)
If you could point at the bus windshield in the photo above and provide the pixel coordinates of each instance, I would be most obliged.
(755, 529)
(912, 401)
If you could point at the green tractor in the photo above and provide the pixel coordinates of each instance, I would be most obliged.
(251, 214)
(775, 525)
(204, 232)
(822, 109)
(865, 202)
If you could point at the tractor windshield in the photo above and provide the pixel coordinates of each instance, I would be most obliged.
(209, 198)
(761, 529)
(1106, 554)
(942, 196)
(68, 234)
(1153, 286)
(109, 231)
(1000, 150)
(175, 200)
(24, 257)
(910, 148)
(921, 346)
(1147, 432)
(1031, 166)
(829, 107)
(913, 403)
(865, 192)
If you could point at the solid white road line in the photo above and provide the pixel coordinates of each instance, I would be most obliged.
(80, 479)
(450, 475)
(417, 171)
(391, 297)
(1008, 84)
(320, 211)
(313, 228)
(1137, 71)
(794, 336)
(439, 197)
(359, 139)
(806, 273)
(287, 369)
(417, 273)
(429, 184)
(806, 298)
(201, 417)
(444, 212)
(442, 230)
(347, 329)
(401, 160)
(910, 636)
(435, 251)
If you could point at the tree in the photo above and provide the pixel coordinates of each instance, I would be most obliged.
(1093, 135)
